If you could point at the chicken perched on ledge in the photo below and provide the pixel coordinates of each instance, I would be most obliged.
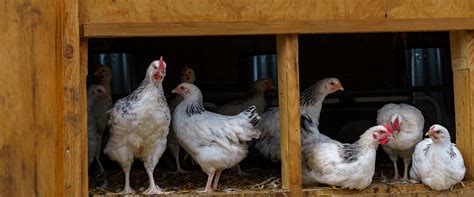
(330, 162)
(311, 102)
(407, 122)
(216, 142)
(437, 162)
(139, 124)
(94, 92)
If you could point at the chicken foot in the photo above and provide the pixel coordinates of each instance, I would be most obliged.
(208, 184)
(127, 189)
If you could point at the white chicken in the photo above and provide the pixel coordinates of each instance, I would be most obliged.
(187, 76)
(139, 124)
(437, 162)
(311, 103)
(330, 162)
(255, 97)
(94, 92)
(216, 142)
(407, 122)
(100, 107)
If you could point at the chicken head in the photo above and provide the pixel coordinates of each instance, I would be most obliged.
(437, 133)
(157, 70)
(383, 134)
(187, 75)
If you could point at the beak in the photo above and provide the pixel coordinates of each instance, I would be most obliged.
(428, 133)
(174, 91)
(341, 88)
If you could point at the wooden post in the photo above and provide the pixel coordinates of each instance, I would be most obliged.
(73, 86)
(289, 101)
(84, 53)
(462, 56)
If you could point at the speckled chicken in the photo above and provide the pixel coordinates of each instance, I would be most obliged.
(139, 124)
(330, 162)
(437, 162)
(216, 142)
(103, 75)
(311, 103)
(94, 92)
(407, 122)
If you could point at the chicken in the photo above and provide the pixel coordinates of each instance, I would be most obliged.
(187, 76)
(216, 142)
(349, 166)
(94, 92)
(139, 124)
(256, 96)
(407, 122)
(437, 162)
(311, 103)
(100, 107)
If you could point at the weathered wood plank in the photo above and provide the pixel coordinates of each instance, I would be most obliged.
(289, 102)
(95, 30)
(72, 84)
(462, 56)
(149, 11)
(84, 54)
(404, 9)
(31, 137)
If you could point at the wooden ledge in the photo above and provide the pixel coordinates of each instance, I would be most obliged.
(102, 30)
(387, 188)
(374, 189)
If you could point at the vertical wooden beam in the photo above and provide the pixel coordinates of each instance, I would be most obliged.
(289, 101)
(462, 57)
(84, 53)
(73, 99)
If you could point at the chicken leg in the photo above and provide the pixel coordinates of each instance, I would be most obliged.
(209, 182)
(153, 188)
(406, 162)
(396, 176)
(216, 179)
(240, 171)
(127, 189)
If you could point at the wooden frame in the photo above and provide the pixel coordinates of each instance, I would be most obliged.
(386, 16)
(44, 153)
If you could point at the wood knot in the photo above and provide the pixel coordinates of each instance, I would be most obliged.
(68, 51)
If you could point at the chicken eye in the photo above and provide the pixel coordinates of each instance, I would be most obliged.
(182, 88)
(332, 83)
(189, 72)
(438, 131)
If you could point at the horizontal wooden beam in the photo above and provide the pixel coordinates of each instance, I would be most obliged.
(101, 30)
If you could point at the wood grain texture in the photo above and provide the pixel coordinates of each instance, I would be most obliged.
(31, 121)
(84, 53)
(149, 11)
(276, 27)
(403, 9)
(462, 56)
(289, 102)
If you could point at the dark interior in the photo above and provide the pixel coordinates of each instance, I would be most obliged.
(374, 69)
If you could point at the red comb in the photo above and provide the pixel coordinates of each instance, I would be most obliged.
(396, 123)
(161, 65)
(389, 128)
